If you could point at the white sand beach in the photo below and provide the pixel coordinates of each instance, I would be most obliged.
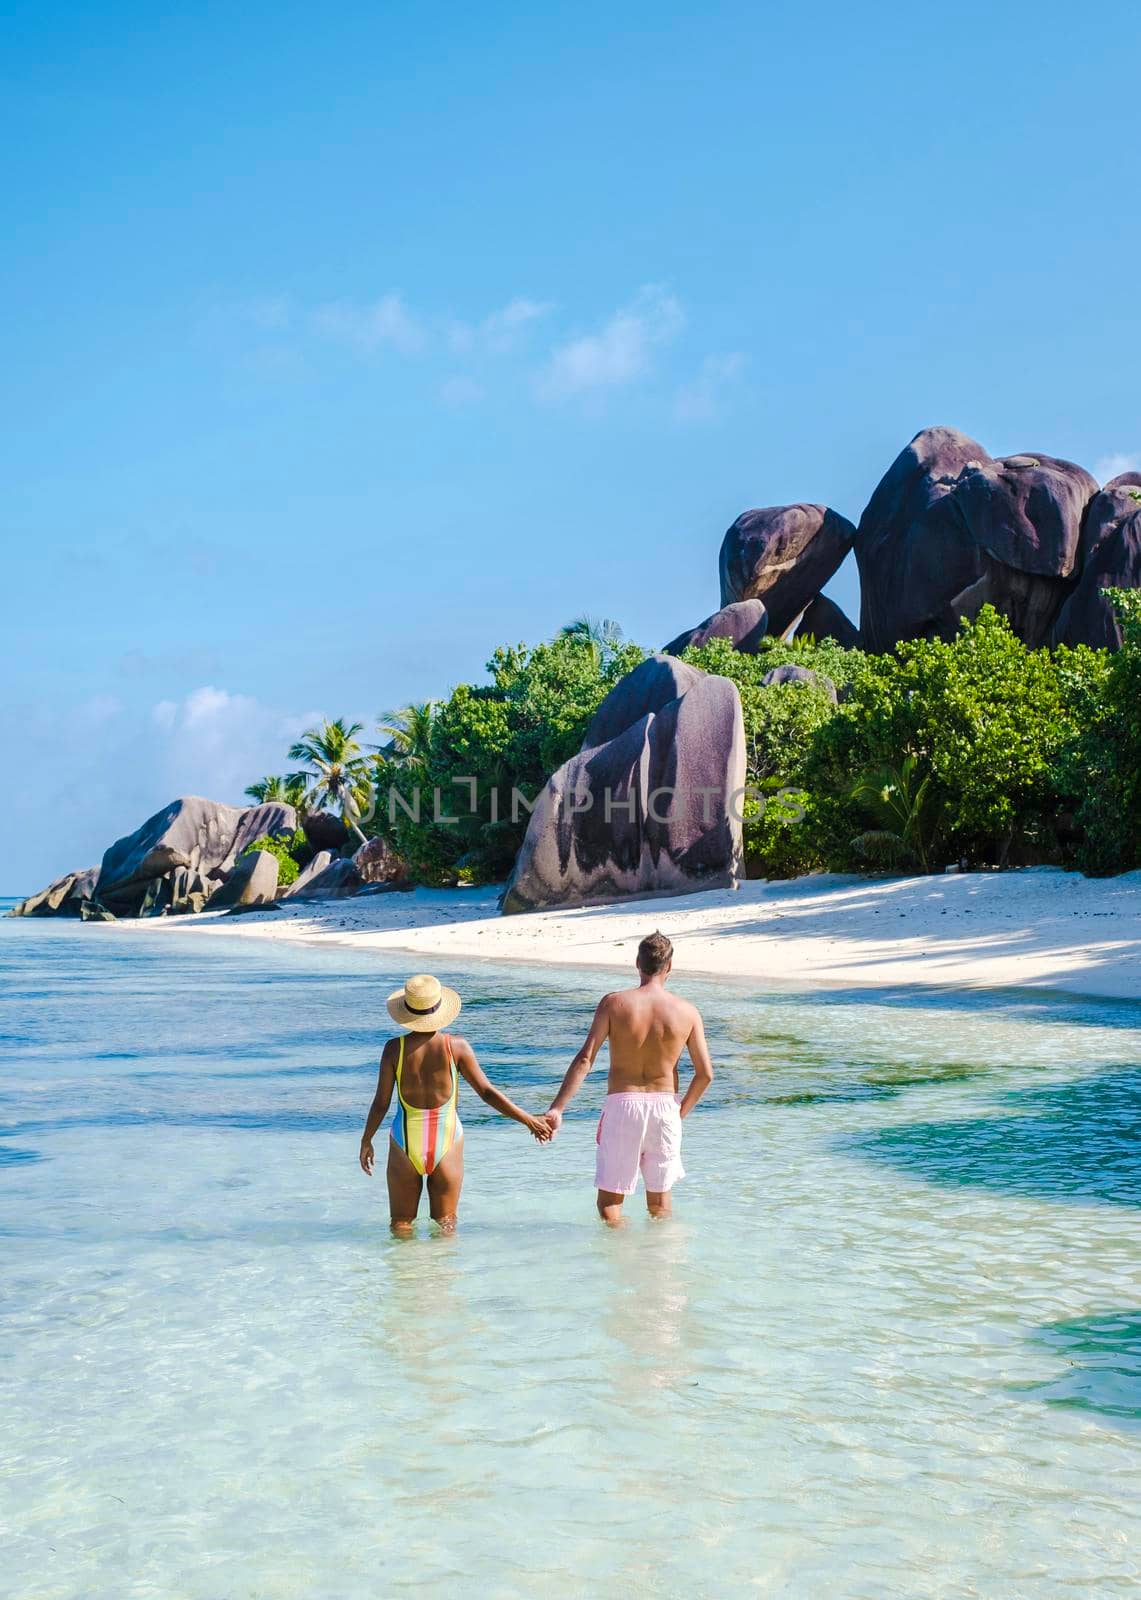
(1036, 928)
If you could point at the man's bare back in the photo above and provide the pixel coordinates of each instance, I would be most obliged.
(647, 1029)
(639, 1133)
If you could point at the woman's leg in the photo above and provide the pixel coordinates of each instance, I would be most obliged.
(444, 1187)
(403, 1190)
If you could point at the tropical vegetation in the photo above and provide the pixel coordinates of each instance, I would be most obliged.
(336, 771)
(292, 851)
(973, 750)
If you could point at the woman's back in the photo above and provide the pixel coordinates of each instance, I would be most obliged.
(425, 1069)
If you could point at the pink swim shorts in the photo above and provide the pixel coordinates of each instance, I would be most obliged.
(639, 1132)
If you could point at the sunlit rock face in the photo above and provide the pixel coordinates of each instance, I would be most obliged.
(1025, 515)
(66, 897)
(650, 805)
(744, 623)
(783, 556)
(253, 882)
(950, 529)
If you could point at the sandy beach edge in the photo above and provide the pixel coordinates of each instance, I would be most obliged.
(1036, 928)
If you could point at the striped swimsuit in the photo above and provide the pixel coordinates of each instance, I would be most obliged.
(426, 1136)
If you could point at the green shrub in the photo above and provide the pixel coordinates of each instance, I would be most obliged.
(1104, 767)
(287, 847)
(512, 732)
(781, 725)
(989, 727)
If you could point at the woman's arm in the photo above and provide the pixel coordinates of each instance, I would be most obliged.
(385, 1083)
(464, 1057)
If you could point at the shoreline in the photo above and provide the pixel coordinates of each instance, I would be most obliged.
(1031, 928)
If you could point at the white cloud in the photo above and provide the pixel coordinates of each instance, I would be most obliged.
(460, 391)
(1112, 465)
(703, 399)
(620, 352)
(502, 328)
(500, 331)
(214, 742)
(367, 328)
(108, 766)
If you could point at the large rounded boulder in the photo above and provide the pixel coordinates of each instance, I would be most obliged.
(253, 882)
(1111, 545)
(744, 623)
(651, 686)
(783, 556)
(650, 806)
(912, 546)
(950, 529)
(1024, 514)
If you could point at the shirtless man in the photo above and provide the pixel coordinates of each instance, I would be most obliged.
(640, 1127)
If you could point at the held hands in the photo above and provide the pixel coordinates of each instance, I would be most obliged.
(367, 1157)
(542, 1127)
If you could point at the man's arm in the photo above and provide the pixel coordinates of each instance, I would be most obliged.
(385, 1083)
(582, 1063)
(702, 1065)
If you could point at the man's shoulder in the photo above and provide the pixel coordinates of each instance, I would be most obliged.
(684, 1008)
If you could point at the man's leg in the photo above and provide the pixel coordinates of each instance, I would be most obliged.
(444, 1187)
(610, 1207)
(661, 1156)
(403, 1191)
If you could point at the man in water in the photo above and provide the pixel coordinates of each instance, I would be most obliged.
(640, 1127)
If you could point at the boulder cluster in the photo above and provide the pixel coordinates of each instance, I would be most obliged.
(194, 855)
(948, 529)
(651, 804)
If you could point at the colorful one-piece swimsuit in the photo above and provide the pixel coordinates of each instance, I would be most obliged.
(426, 1136)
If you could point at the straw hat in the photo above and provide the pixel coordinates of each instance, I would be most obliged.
(424, 1004)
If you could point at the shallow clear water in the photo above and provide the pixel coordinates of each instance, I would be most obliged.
(889, 1346)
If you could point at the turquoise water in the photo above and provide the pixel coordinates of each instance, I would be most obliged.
(890, 1345)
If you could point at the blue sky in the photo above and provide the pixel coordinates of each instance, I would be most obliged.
(342, 346)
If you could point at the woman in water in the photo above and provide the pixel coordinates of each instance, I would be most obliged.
(424, 1066)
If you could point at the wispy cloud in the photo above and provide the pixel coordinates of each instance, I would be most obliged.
(460, 391)
(500, 331)
(1116, 462)
(368, 327)
(703, 400)
(620, 352)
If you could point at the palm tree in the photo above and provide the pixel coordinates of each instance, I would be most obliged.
(338, 770)
(910, 820)
(409, 733)
(602, 633)
(292, 791)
